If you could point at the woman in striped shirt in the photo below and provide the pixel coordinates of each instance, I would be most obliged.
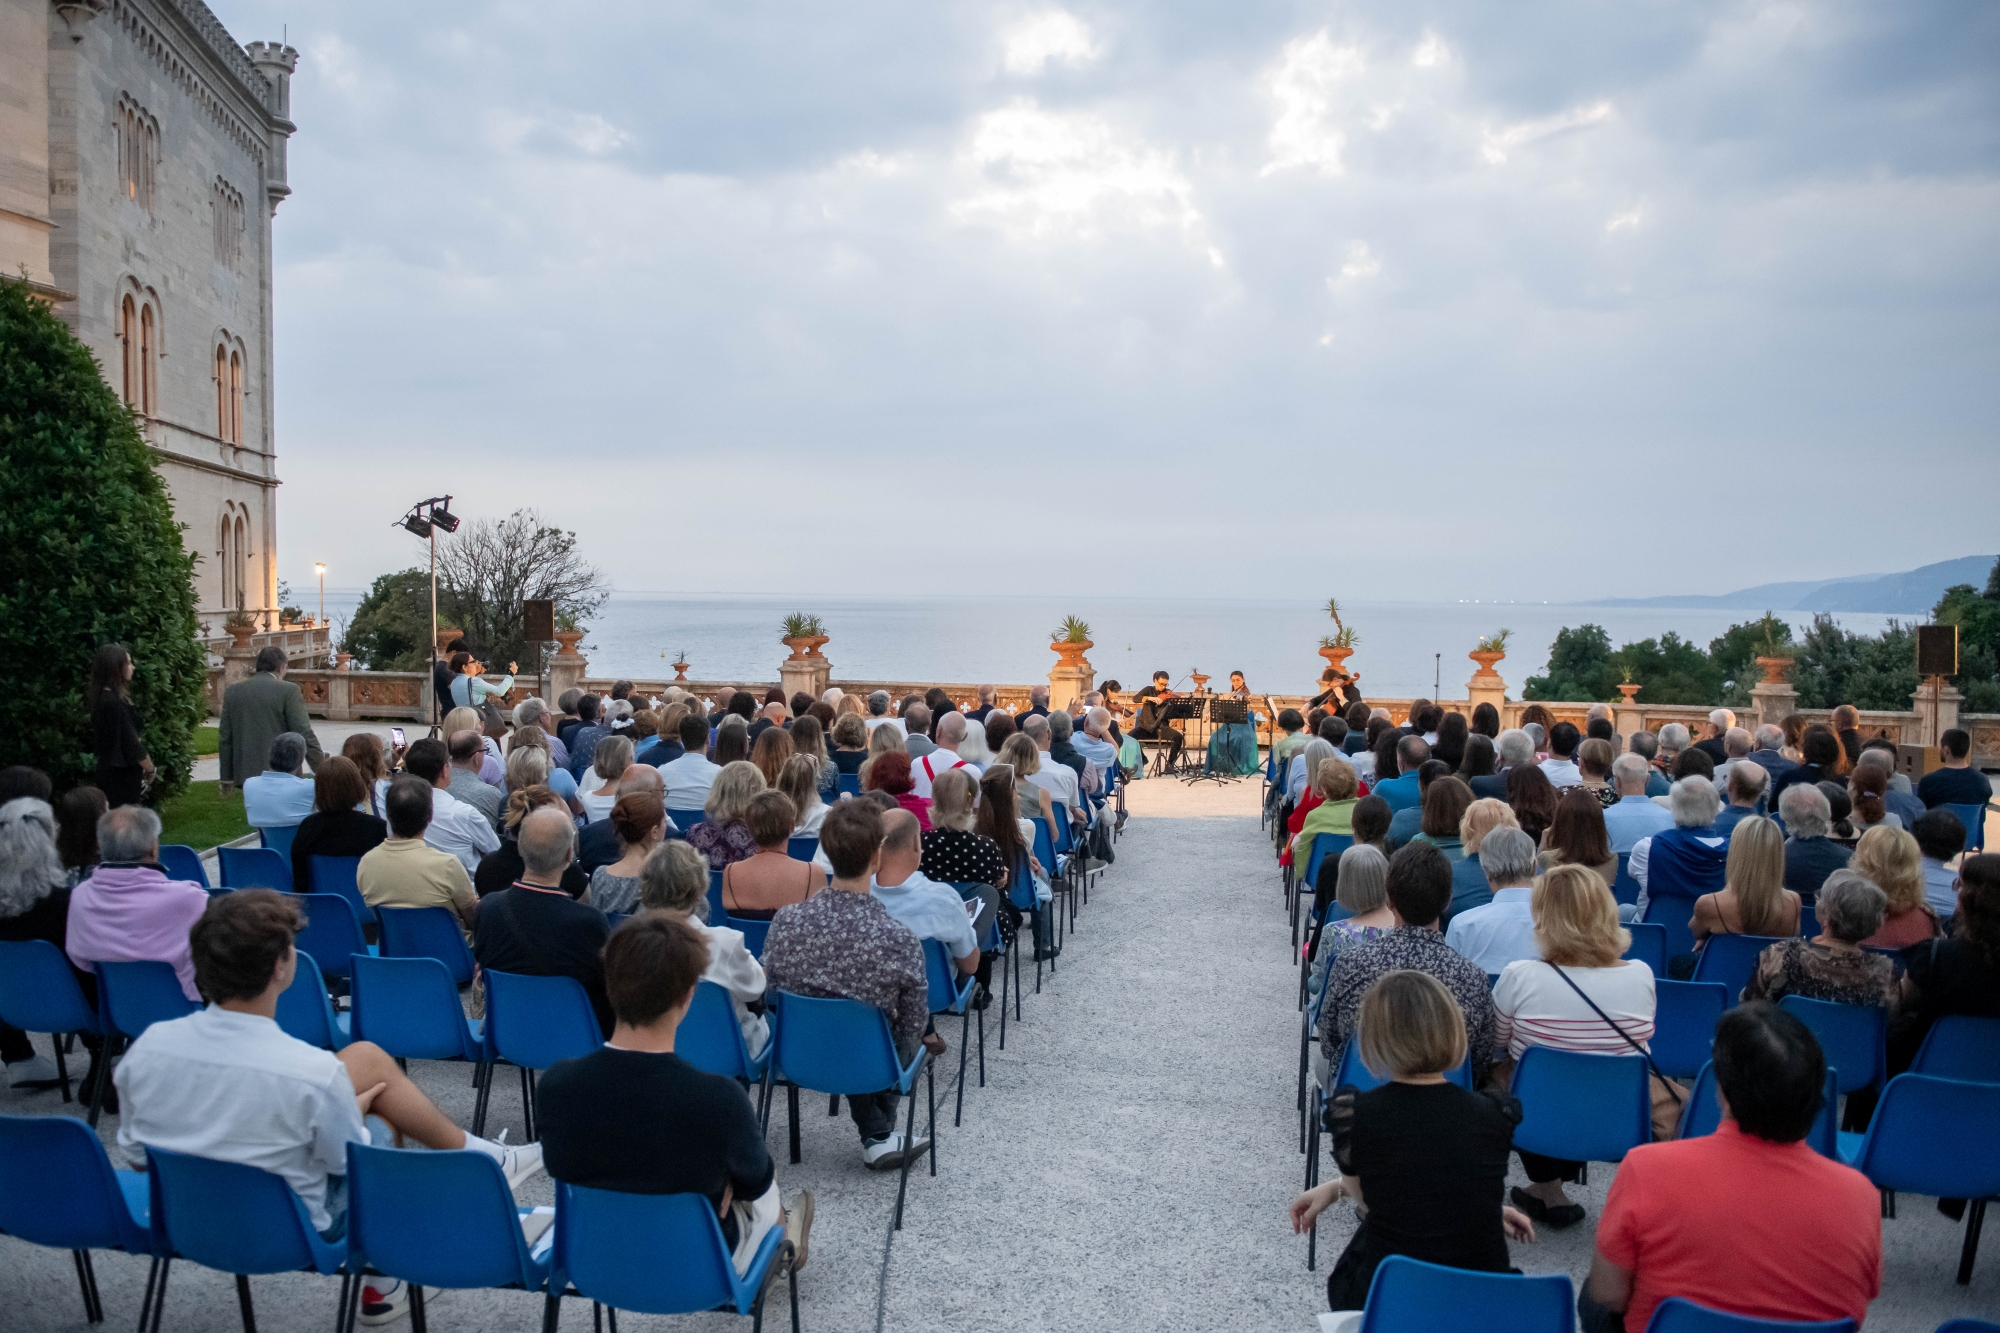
(1541, 1002)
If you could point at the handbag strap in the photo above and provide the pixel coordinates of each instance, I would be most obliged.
(1673, 1088)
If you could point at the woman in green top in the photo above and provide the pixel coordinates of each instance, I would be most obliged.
(1337, 783)
(1445, 805)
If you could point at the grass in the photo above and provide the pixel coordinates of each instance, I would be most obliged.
(207, 740)
(202, 817)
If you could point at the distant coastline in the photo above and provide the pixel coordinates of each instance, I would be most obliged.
(1911, 593)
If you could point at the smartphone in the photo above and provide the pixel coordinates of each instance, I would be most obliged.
(396, 737)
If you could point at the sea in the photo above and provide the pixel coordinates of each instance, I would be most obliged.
(1405, 649)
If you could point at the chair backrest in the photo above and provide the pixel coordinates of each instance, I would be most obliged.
(948, 986)
(1808, 921)
(687, 819)
(438, 1219)
(305, 1012)
(990, 942)
(426, 932)
(1701, 1113)
(1625, 889)
(535, 1021)
(336, 874)
(230, 1217)
(1967, 1326)
(1354, 1072)
(410, 1008)
(1731, 959)
(1957, 1047)
(1649, 945)
(803, 848)
(1325, 845)
(1410, 1296)
(850, 784)
(1021, 886)
(753, 932)
(279, 839)
(1934, 1136)
(1671, 912)
(254, 868)
(1974, 819)
(716, 911)
(57, 1187)
(134, 996)
(650, 1253)
(834, 1045)
(181, 862)
(1677, 1314)
(1684, 1017)
(710, 1038)
(1583, 1108)
(38, 992)
(1045, 844)
(1851, 1035)
(332, 934)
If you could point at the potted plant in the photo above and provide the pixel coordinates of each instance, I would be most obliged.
(680, 665)
(568, 633)
(1492, 647)
(1337, 647)
(1628, 689)
(803, 635)
(1070, 641)
(1773, 660)
(241, 625)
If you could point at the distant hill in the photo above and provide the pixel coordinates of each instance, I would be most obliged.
(1913, 592)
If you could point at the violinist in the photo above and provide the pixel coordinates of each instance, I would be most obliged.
(1149, 725)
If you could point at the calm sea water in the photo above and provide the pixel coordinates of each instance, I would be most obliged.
(1404, 648)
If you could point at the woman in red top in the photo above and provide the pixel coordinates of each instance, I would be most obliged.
(890, 772)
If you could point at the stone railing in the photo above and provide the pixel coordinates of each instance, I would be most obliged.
(304, 643)
(344, 696)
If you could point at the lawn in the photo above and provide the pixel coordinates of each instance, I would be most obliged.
(207, 740)
(202, 817)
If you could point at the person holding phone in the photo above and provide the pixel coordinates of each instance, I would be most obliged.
(470, 687)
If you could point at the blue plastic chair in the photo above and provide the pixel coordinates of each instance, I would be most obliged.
(1582, 1108)
(843, 1046)
(687, 819)
(1649, 945)
(410, 1008)
(952, 992)
(1956, 1047)
(1354, 1073)
(134, 996)
(1624, 888)
(1044, 850)
(1701, 1113)
(1677, 1314)
(850, 784)
(655, 1254)
(1684, 1017)
(1731, 960)
(58, 1189)
(279, 839)
(1934, 1136)
(804, 848)
(39, 993)
(1324, 845)
(436, 1219)
(711, 1039)
(306, 1013)
(181, 862)
(1808, 921)
(254, 868)
(332, 935)
(336, 874)
(1974, 819)
(1410, 1296)
(532, 1022)
(1967, 1326)
(716, 911)
(1672, 911)
(426, 932)
(1851, 1035)
(992, 942)
(753, 932)
(234, 1219)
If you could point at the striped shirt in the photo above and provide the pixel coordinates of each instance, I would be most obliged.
(1534, 1006)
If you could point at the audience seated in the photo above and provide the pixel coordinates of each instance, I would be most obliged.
(1736, 747)
(1030, 800)
(1477, 769)
(640, 820)
(843, 944)
(1362, 888)
(1594, 758)
(724, 837)
(1822, 758)
(282, 795)
(755, 887)
(533, 927)
(529, 764)
(1753, 899)
(1560, 767)
(455, 827)
(675, 880)
(1403, 791)
(405, 870)
(1469, 884)
(534, 712)
(1579, 994)
(890, 772)
(1957, 975)
(1957, 782)
(340, 824)
(770, 751)
(689, 778)
(34, 905)
(799, 781)
(1867, 793)
(1533, 798)
(1897, 794)
(1512, 749)
(1715, 742)
(809, 739)
(1749, 1219)
(598, 844)
(1769, 753)
(1891, 860)
(1688, 859)
(1408, 822)
(1940, 838)
(1335, 784)
(1810, 855)
(925, 770)
(597, 790)
(128, 910)
(1578, 837)
(1832, 965)
(466, 756)
(931, 910)
(1744, 791)
(1058, 779)
(1646, 745)
(1493, 934)
(499, 868)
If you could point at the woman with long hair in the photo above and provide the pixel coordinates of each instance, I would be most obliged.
(799, 781)
(1480, 760)
(1957, 975)
(1444, 810)
(1533, 797)
(1386, 766)
(1754, 899)
(1868, 789)
(1892, 861)
(77, 812)
(123, 765)
(1031, 799)
(364, 750)
(1794, 727)
(809, 739)
(996, 818)
(1452, 734)
(1577, 836)
(883, 740)
(724, 837)
(732, 741)
(770, 752)
(1846, 724)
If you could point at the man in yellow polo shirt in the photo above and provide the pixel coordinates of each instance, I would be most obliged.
(405, 871)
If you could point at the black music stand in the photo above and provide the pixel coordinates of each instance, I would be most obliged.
(1175, 710)
(1222, 712)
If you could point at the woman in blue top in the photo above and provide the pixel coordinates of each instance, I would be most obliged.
(470, 687)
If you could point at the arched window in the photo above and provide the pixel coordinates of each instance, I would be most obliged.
(147, 347)
(242, 563)
(221, 392)
(236, 397)
(138, 151)
(128, 349)
(223, 557)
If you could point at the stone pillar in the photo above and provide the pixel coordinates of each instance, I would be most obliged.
(1629, 717)
(566, 668)
(339, 695)
(1774, 701)
(239, 661)
(804, 675)
(1947, 700)
(1485, 687)
(1069, 681)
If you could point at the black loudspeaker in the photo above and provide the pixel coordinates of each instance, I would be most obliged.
(1937, 650)
(538, 620)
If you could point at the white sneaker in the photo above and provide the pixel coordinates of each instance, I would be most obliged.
(886, 1154)
(384, 1300)
(798, 1226)
(520, 1164)
(35, 1071)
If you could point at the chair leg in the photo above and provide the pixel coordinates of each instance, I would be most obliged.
(146, 1302)
(930, 1091)
(832, 1105)
(419, 1321)
(1975, 1216)
(1017, 974)
(479, 1101)
(1004, 960)
(527, 1101)
(985, 994)
(792, 1106)
(243, 1303)
(909, 1137)
(62, 1066)
(551, 1312)
(101, 1076)
(793, 1275)
(964, 1052)
(86, 1281)
(350, 1303)
(611, 1316)
(160, 1294)
(596, 1318)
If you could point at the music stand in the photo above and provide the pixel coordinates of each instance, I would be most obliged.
(1222, 712)
(1175, 710)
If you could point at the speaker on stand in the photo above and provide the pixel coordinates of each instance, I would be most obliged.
(1937, 657)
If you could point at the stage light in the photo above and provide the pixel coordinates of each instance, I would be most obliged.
(446, 520)
(418, 525)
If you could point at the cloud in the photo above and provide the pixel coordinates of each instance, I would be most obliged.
(1306, 85)
(1360, 265)
(1499, 143)
(1628, 221)
(1051, 37)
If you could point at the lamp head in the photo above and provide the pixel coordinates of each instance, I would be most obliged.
(418, 525)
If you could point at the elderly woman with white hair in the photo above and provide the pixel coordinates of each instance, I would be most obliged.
(1689, 859)
(1810, 854)
(534, 712)
(674, 879)
(1305, 767)
(34, 905)
(1832, 965)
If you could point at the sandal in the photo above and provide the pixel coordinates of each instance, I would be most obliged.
(1558, 1217)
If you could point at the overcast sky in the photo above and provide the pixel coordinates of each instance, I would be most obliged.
(1388, 301)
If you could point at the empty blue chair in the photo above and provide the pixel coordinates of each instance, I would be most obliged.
(426, 932)
(39, 993)
(753, 932)
(1625, 889)
(1851, 1035)
(254, 868)
(306, 1013)
(57, 1188)
(843, 1046)
(1974, 819)
(850, 784)
(532, 1022)
(336, 874)
(1677, 1314)
(687, 819)
(182, 862)
(803, 849)
(1731, 960)
(711, 1039)
(1701, 1113)
(234, 1219)
(1934, 1136)
(410, 1008)
(1582, 1108)
(1649, 945)
(716, 911)
(332, 934)
(952, 992)
(1672, 912)
(436, 1219)
(279, 839)
(1410, 1296)
(656, 1254)
(1684, 1018)
(1966, 1049)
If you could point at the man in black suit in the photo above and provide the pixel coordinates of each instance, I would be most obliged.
(1769, 754)
(1719, 723)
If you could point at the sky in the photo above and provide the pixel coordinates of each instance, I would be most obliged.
(1372, 300)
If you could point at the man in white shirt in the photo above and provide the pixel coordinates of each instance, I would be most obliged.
(878, 712)
(1634, 816)
(1560, 766)
(931, 911)
(924, 770)
(456, 827)
(1058, 780)
(1503, 930)
(282, 795)
(689, 777)
(228, 1083)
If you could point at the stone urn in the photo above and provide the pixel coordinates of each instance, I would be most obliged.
(1630, 692)
(569, 639)
(1337, 658)
(344, 662)
(1200, 682)
(240, 635)
(446, 635)
(1070, 654)
(1775, 669)
(1487, 661)
(680, 671)
(806, 645)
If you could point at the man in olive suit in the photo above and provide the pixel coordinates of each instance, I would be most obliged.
(254, 713)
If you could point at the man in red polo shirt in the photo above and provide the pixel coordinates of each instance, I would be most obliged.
(1748, 1219)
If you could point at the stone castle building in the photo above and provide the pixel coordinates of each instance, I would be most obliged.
(142, 155)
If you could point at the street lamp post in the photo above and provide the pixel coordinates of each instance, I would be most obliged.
(320, 569)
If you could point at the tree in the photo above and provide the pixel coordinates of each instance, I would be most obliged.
(1977, 616)
(1579, 667)
(387, 631)
(488, 569)
(1734, 655)
(1838, 667)
(89, 554)
(1669, 670)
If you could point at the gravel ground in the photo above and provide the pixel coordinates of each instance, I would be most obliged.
(1128, 1164)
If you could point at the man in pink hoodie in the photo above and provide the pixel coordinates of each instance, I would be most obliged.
(128, 910)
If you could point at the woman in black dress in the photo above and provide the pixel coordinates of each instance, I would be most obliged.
(123, 766)
(1428, 1157)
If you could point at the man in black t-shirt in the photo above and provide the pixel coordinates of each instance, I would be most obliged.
(535, 928)
(1957, 782)
(1149, 725)
(634, 1117)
